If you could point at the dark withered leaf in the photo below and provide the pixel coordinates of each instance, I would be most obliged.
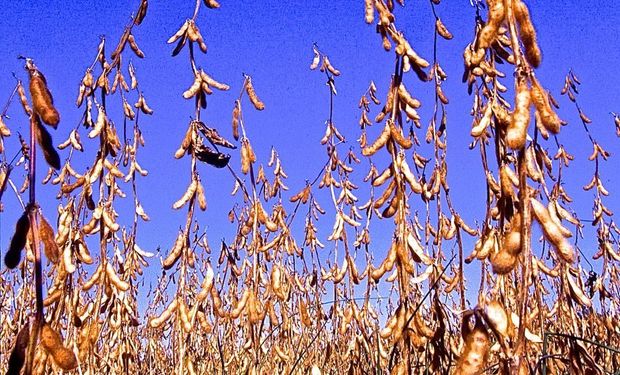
(179, 46)
(212, 157)
(14, 254)
(213, 136)
(18, 355)
(44, 139)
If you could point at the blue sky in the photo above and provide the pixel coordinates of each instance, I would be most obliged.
(271, 41)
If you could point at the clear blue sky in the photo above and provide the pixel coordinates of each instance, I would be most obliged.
(271, 41)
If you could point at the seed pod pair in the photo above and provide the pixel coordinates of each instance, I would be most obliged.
(506, 258)
(548, 118)
(327, 66)
(552, 232)
(114, 279)
(387, 264)
(247, 156)
(141, 104)
(193, 34)
(73, 140)
(484, 246)
(480, 127)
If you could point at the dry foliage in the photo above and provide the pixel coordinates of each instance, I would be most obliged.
(270, 301)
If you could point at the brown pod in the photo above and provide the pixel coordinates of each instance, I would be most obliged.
(144, 4)
(249, 88)
(548, 117)
(18, 354)
(496, 16)
(516, 134)
(176, 251)
(213, 4)
(503, 262)
(442, 29)
(527, 33)
(22, 98)
(475, 353)
(44, 139)
(46, 234)
(42, 99)
(14, 254)
(52, 342)
(552, 232)
(134, 46)
(235, 120)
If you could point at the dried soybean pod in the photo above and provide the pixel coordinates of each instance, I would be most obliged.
(398, 136)
(379, 142)
(114, 279)
(476, 349)
(369, 11)
(190, 192)
(489, 32)
(52, 343)
(540, 99)
(316, 59)
(13, 255)
(247, 156)
(44, 139)
(134, 46)
(18, 354)
(200, 195)
(175, 252)
(23, 99)
(144, 4)
(235, 120)
(249, 88)
(46, 234)
(516, 134)
(42, 100)
(442, 29)
(212, 4)
(496, 317)
(552, 233)
(330, 67)
(527, 33)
